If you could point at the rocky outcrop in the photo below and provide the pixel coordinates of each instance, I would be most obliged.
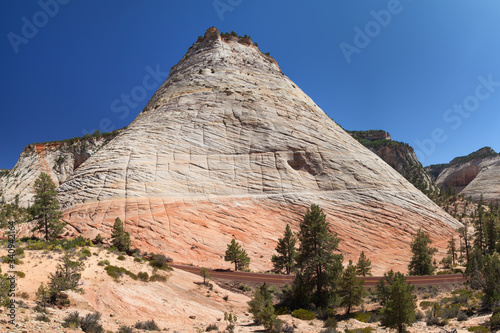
(398, 155)
(58, 159)
(229, 147)
(370, 135)
(474, 175)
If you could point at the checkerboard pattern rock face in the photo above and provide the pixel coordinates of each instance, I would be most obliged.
(230, 147)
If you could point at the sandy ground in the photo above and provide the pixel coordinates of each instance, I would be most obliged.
(181, 304)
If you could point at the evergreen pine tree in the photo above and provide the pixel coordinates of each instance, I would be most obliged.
(479, 234)
(452, 250)
(237, 255)
(119, 237)
(473, 270)
(491, 234)
(287, 254)
(350, 288)
(319, 265)
(465, 240)
(46, 210)
(399, 309)
(205, 274)
(382, 287)
(299, 294)
(364, 265)
(421, 261)
(43, 294)
(261, 306)
(67, 275)
(491, 285)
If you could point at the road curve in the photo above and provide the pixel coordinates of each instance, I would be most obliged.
(279, 279)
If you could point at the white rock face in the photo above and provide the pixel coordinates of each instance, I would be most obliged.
(474, 178)
(230, 147)
(57, 159)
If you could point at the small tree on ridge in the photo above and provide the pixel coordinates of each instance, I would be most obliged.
(364, 265)
(421, 261)
(46, 210)
(119, 237)
(287, 254)
(237, 255)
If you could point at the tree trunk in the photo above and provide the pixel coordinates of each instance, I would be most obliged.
(46, 228)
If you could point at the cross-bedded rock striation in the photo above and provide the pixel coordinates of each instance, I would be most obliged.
(230, 147)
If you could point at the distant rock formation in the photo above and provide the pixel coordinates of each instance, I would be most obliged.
(474, 175)
(230, 147)
(59, 159)
(398, 155)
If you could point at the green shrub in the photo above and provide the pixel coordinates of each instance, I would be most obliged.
(125, 329)
(211, 327)
(303, 314)
(58, 299)
(450, 311)
(460, 299)
(478, 329)
(425, 304)
(462, 316)
(160, 261)
(98, 239)
(121, 257)
(104, 262)
(244, 287)
(149, 325)
(362, 316)
(284, 310)
(367, 329)
(15, 260)
(73, 243)
(90, 324)
(86, 253)
(143, 276)
(495, 320)
(330, 322)
(445, 300)
(432, 320)
(19, 251)
(117, 272)
(58, 244)
(72, 320)
(39, 309)
(156, 277)
(461, 291)
(20, 274)
(137, 259)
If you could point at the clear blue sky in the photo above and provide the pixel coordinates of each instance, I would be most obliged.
(400, 66)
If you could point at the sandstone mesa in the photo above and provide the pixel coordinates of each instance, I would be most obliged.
(230, 147)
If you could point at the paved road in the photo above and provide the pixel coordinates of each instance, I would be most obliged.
(283, 279)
